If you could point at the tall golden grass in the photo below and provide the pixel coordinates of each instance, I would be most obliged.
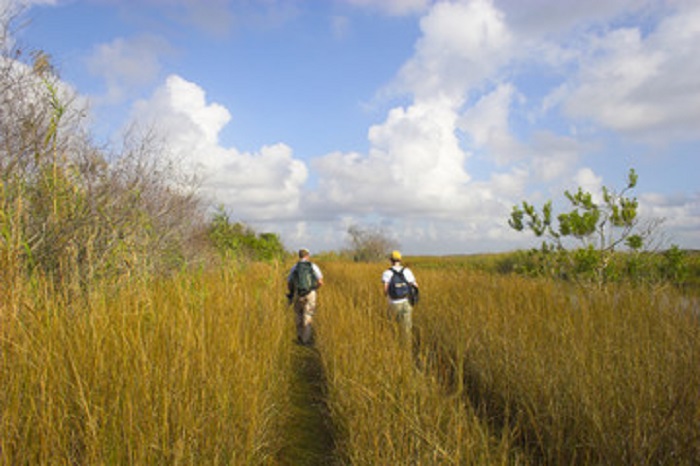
(200, 368)
(185, 370)
(582, 376)
(390, 405)
(513, 370)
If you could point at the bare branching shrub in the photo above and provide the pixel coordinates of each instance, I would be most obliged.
(165, 216)
(368, 244)
(70, 209)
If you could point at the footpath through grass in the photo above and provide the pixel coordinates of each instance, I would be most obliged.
(308, 430)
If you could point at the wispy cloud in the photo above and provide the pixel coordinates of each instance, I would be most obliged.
(393, 7)
(127, 65)
(12, 6)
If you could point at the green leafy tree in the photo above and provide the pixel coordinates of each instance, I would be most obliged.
(674, 267)
(598, 229)
(239, 241)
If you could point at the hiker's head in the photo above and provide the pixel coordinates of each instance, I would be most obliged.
(395, 257)
(303, 252)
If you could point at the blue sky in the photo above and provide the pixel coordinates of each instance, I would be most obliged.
(427, 119)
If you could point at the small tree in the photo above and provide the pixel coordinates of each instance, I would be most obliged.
(367, 245)
(599, 228)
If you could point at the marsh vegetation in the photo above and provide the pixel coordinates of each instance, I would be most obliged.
(201, 368)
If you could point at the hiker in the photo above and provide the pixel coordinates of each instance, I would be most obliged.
(401, 290)
(303, 281)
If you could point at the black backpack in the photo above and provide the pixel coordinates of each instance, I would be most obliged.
(303, 278)
(399, 288)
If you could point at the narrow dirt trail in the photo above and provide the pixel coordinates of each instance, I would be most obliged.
(309, 428)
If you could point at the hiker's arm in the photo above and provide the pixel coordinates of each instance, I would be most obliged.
(318, 274)
(290, 282)
(412, 280)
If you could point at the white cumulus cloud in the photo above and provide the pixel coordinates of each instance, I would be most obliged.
(415, 164)
(487, 124)
(255, 186)
(462, 44)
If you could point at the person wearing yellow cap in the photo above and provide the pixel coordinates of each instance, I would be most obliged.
(401, 290)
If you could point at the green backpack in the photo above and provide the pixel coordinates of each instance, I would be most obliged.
(303, 278)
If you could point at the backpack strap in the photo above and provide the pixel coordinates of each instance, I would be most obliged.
(294, 275)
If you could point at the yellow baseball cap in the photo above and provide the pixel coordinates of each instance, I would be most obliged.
(396, 255)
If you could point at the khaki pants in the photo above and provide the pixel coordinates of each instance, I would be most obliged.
(304, 308)
(401, 312)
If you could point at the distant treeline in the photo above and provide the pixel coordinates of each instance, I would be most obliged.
(675, 266)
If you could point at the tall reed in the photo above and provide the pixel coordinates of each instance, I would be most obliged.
(585, 376)
(200, 368)
(388, 404)
(190, 369)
